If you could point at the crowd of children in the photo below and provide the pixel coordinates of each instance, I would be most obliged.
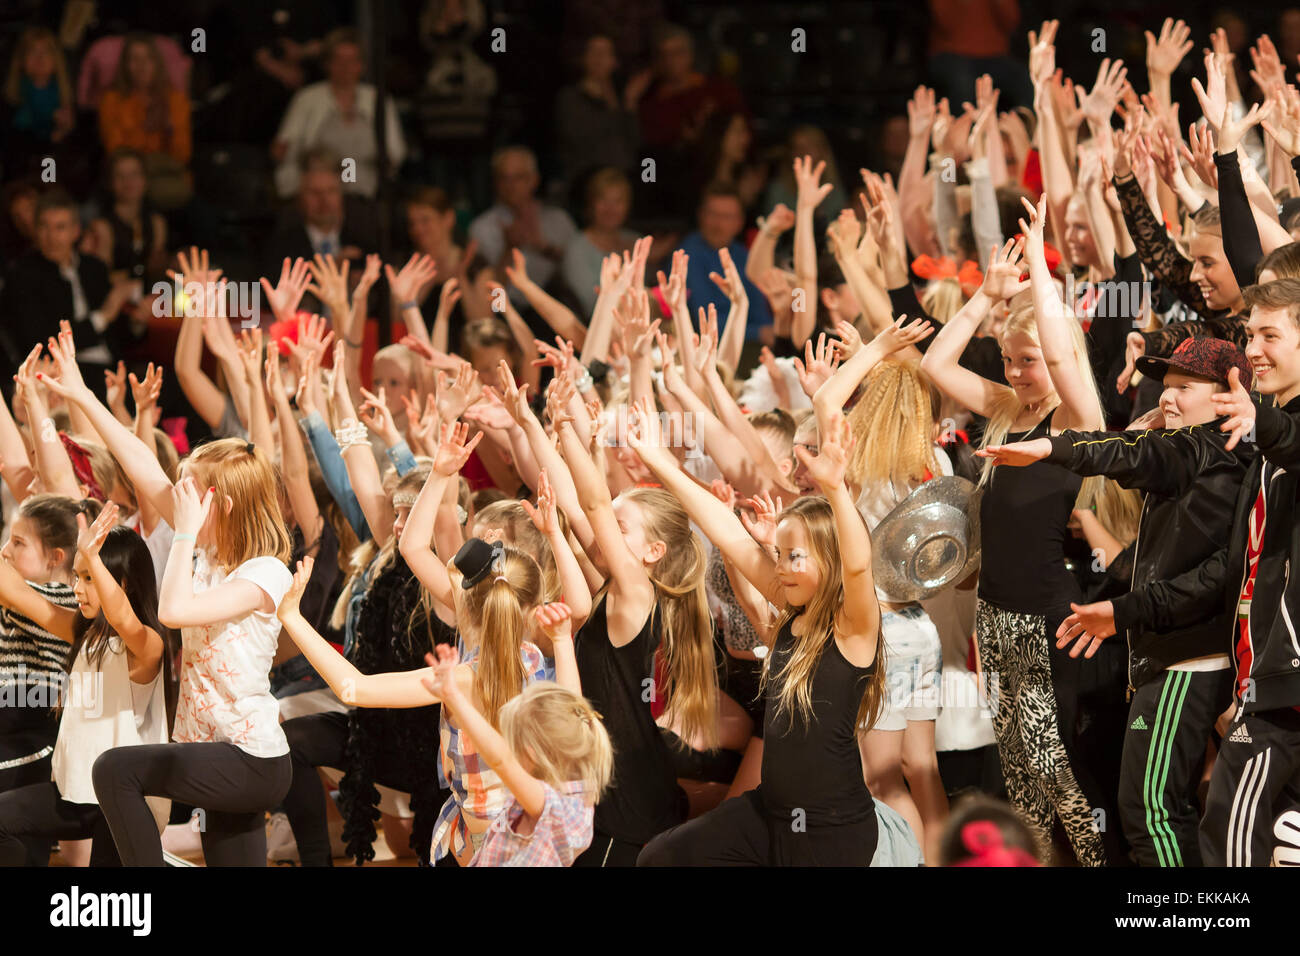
(635, 598)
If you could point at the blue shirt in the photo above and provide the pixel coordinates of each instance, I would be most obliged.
(700, 289)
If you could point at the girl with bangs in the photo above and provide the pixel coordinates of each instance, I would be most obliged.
(225, 575)
(894, 452)
(116, 644)
(813, 806)
(1025, 588)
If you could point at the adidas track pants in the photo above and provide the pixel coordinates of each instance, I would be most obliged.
(1170, 720)
(1256, 780)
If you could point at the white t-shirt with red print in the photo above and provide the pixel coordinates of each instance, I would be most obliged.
(225, 687)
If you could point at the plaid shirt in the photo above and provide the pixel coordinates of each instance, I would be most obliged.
(560, 833)
(475, 787)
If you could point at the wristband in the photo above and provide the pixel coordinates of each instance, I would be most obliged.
(412, 304)
(585, 382)
(183, 536)
(352, 433)
(352, 345)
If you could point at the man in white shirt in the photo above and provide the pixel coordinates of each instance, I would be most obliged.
(520, 221)
(338, 114)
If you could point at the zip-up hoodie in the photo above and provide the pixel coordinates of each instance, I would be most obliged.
(1191, 483)
(1268, 672)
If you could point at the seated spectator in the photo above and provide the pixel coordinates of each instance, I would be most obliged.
(37, 101)
(721, 153)
(519, 220)
(144, 111)
(129, 235)
(681, 97)
(808, 141)
(322, 222)
(609, 196)
(594, 126)
(721, 218)
(99, 67)
(17, 219)
(971, 37)
(431, 227)
(53, 282)
(338, 114)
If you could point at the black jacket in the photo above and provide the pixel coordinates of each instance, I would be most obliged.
(1191, 484)
(1268, 673)
(36, 297)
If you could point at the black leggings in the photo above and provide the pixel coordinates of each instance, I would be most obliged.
(740, 832)
(36, 849)
(39, 811)
(233, 789)
(320, 740)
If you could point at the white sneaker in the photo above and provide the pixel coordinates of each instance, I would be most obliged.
(281, 847)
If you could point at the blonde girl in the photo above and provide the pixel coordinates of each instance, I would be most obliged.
(225, 575)
(552, 752)
(1024, 586)
(813, 805)
(893, 453)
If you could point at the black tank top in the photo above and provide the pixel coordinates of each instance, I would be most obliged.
(643, 799)
(1023, 518)
(815, 766)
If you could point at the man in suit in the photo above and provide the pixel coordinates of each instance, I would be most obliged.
(52, 283)
(321, 222)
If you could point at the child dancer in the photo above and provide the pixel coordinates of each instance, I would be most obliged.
(119, 649)
(813, 806)
(225, 575)
(552, 751)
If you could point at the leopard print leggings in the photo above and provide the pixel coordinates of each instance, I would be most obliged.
(1015, 658)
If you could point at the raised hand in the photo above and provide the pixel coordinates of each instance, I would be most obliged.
(441, 682)
(901, 334)
(1213, 96)
(285, 295)
(1002, 277)
(376, 416)
(1033, 229)
(555, 620)
(190, 509)
(1236, 405)
(828, 466)
(545, 516)
(811, 190)
(1199, 151)
(673, 286)
(729, 282)
(69, 384)
(147, 393)
(1166, 52)
(1283, 122)
(459, 394)
(1042, 52)
(850, 339)
(1100, 101)
(250, 355)
(1231, 131)
(818, 364)
(91, 539)
(454, 449)
(920, 113)
(1269, 74)
(331, 285)
(643, 435)
(115, 390)
(290, 604)
(418, 272)
(514, 397)
(762, 526)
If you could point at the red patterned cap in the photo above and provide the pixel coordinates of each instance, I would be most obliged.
(1207, 358)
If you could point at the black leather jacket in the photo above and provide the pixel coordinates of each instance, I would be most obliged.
(1191, 485)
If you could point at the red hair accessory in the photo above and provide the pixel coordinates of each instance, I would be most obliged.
(983, 840)
(81, 468)
(969, 275)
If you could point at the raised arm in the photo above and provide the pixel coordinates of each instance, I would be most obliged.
(811, 193)
(138, 460)
(200, 391)
(718, 522)
(293, 455)
(555, 313)
(17, 595)
(942, 358)
(576, 593)
(15, 466)
(733, 336)
(259, 416)
(144, 643)
(52, 462)
(911, 179)
(762, 254)
(1078, 400)
(402, 689)
(835, 392)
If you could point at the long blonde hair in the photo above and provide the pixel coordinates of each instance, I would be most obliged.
(690, 693)
(26, 40)
(562, 735)
(491, 620)
(1008, 406)
(254, 524)
(794, 680)
(893, 424)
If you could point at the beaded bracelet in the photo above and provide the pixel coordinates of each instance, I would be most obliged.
(351, 433)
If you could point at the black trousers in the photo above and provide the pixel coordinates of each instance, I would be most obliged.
(1169, 721)
(39, 811)
(740, 832)
(320, 740)
(1256, 779)
(232, 789)
(36, 848)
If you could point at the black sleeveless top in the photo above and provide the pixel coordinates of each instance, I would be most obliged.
(643, 799)
(1023, 518)
(815, 766)
(131, 255)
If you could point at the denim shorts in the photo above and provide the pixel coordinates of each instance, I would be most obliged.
(913, 664)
